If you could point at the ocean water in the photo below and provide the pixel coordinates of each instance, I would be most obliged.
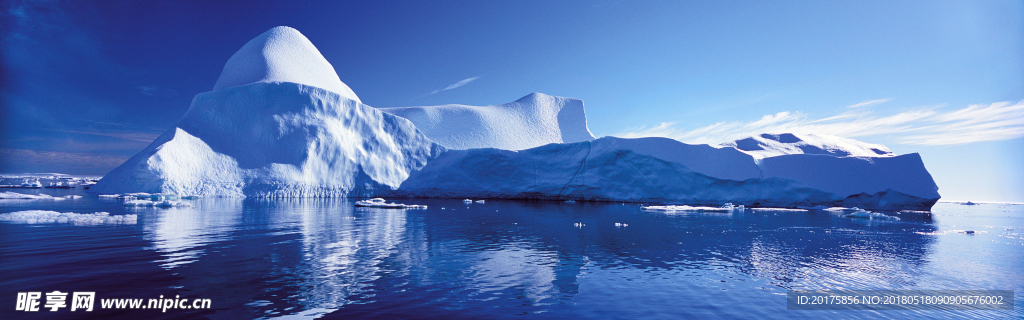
(307, 258)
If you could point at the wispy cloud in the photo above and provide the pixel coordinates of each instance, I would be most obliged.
(923, 126)
(148, 90)
(456, 85)
(869, 103)
(146, 137)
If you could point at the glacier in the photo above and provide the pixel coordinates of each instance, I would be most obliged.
(280, 123)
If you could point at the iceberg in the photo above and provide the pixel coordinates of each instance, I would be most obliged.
(280, 123)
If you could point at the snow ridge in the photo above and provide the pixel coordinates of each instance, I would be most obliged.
(771, 145)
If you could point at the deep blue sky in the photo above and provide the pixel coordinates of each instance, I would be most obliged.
(87, 84)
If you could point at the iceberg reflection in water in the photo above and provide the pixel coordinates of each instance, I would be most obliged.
(260, 258)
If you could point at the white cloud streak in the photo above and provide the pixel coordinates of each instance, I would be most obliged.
(925, 126)
(456, 85)
(869, 103)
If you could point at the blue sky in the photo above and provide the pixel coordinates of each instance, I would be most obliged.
(87, 84)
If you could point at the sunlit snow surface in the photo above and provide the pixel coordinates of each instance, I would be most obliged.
(282, 54)
(771, 145)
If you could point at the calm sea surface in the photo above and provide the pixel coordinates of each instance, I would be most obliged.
(256, 258)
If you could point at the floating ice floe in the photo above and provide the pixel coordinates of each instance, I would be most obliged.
(842, 209)
(864, 214)
(381, 203)
(939, 233)
(670, 208)
(149, 196)
(46, 217)
(479, 201)
(778, 210)
(161, 204)
(467, 201)
(7, 195)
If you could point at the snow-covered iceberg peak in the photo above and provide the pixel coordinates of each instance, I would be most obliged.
(532, 121)
(771, 145)
(282, 54)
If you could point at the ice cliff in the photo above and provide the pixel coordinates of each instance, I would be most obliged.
(532, 121)
(280, 123)
(666, 170)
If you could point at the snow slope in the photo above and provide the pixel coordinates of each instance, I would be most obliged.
(771, 145)
(665, 170)
(532, 121)
(279, 123)
(276, 140)
(282, 54)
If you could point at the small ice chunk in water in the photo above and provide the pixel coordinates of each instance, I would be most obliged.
(44, 217)
(864, 214)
